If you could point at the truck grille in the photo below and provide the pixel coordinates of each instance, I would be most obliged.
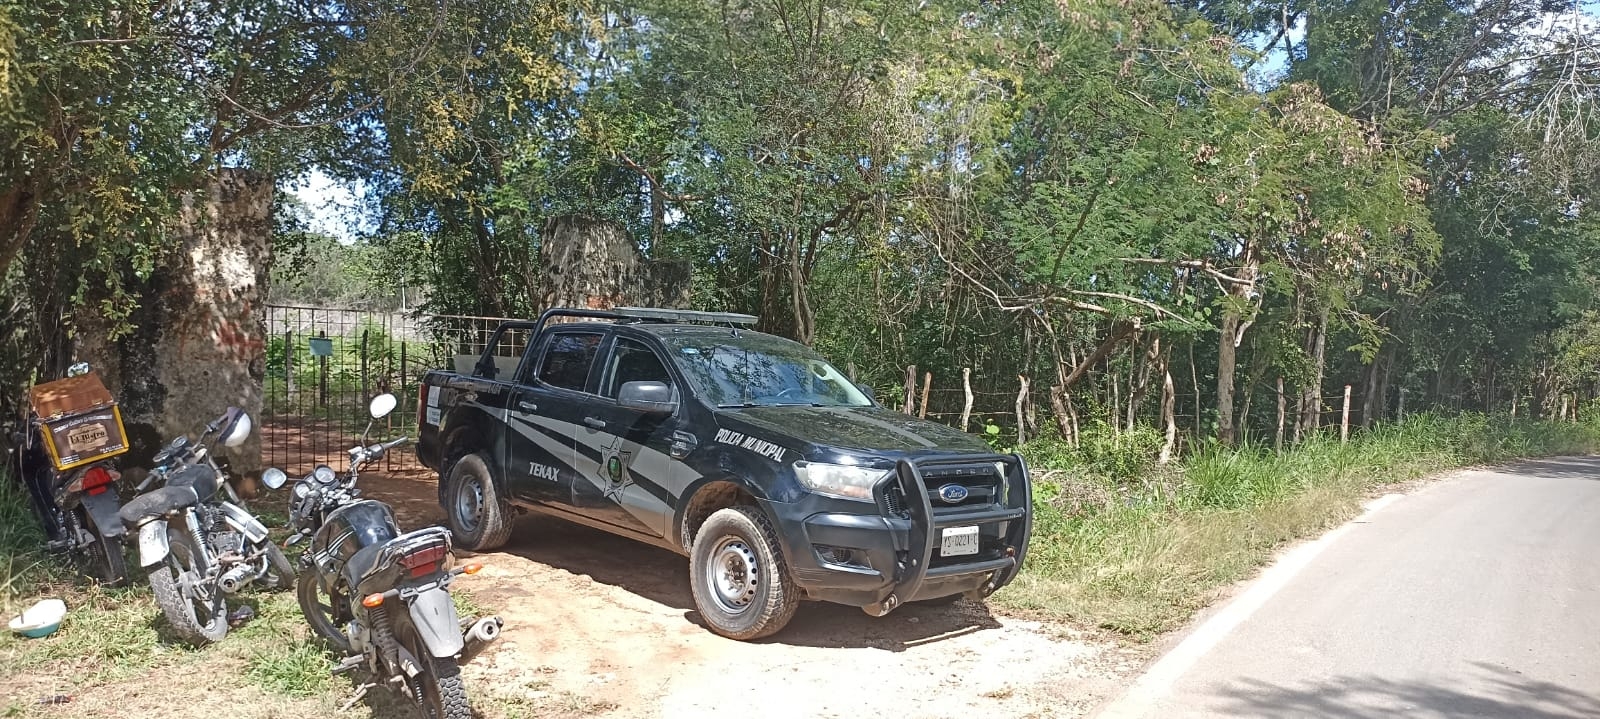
(981, 482)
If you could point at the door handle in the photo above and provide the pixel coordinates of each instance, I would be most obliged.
(682, 444)
(525, 404)
(595, 422)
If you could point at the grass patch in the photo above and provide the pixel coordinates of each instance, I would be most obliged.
(1140, 553)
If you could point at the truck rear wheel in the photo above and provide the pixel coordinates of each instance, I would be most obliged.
(737, 573)
(479, 518)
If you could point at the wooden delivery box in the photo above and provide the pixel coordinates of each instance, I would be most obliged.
(79, 419)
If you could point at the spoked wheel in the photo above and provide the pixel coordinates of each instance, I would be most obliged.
(437, 690)
(193, 607)
(326, 613)
(103, 558)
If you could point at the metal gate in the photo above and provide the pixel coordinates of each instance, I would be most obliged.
(324, 366)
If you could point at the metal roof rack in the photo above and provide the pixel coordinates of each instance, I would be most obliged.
(666, 315)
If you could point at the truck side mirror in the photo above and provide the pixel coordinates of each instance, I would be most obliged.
(868, 392)
(648, 397)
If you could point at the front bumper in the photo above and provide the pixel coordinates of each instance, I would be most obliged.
(878, 561)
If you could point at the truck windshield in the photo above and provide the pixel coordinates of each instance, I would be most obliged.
(751, 370)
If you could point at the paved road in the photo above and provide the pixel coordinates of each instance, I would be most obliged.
(1474, 597)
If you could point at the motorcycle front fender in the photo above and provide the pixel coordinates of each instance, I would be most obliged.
(153, 547)
(434, 616)
(244, 522)
(103, 508)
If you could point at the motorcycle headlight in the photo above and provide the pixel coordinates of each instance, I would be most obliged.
(839, 480)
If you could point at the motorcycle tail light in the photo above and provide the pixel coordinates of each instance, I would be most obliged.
(423, 561)
(95, 481)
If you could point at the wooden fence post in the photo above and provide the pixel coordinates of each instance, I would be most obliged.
(1022, 418)
(1563, 408)
(966, 388)
(851, 368)
(911, 389)
(927, 383)
(1401, 414)
(1281, 407)
(1344, 420)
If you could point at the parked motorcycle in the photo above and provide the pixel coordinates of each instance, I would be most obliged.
(62, 456)
(379, 596)
(197, 546)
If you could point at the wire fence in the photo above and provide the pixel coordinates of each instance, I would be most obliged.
(325, 365)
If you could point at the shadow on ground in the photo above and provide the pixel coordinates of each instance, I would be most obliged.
(661, 576)
(1555, 468)
(1488, 691)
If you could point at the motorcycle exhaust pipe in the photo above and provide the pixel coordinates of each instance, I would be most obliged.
(477, 637)
(235, 579)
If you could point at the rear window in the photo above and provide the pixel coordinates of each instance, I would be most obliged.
(567, 360)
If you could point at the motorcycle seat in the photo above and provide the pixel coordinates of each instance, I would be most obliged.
(364, 563)
(155, 504)
(361, 564)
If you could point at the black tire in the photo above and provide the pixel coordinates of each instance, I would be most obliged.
(195, 620)
(280, 573)
(439, 687)
(478, 516)
(103, 558)
(323, 612)
(740, 581)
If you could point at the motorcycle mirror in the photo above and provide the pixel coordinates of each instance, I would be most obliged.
(274, 478)
(382, 405)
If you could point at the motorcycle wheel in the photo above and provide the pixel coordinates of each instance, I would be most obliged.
(196, 619)
(322, 611)
(437, 689)
(280, 573)
(103, 558)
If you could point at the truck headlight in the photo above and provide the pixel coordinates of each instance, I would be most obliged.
(839, 480)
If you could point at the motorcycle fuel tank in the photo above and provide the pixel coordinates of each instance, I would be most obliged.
(351, 528)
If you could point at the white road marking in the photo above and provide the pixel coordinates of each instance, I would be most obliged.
(1143, 698)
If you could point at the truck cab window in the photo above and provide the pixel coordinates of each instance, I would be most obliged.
(567, 359)
(631, 361)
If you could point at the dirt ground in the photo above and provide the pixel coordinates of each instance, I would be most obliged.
(610, 623)
(600, 626)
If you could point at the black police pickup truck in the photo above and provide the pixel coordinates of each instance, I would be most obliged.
(778, 477)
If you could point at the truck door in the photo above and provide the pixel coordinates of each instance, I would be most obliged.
(628, 450)
(548, 400)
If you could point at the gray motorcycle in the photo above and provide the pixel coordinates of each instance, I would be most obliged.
(196, 544)
(379, 596)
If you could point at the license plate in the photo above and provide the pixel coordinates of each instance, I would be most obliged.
(958, 541)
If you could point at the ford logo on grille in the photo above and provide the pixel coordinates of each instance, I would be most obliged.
(952, 493)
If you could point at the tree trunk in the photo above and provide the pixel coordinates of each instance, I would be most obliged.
(1311, 394)
(1234, 324)
(18, 212)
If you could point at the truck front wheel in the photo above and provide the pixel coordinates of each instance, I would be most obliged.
(740, 581)
(479, 518)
